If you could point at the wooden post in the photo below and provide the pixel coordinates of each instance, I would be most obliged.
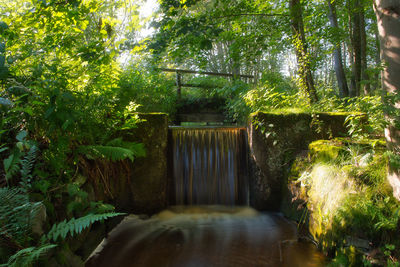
(178, 84)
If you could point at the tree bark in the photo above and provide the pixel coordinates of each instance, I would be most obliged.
(388, 18)
(303, 61)
(364, 64)
(338, 61)
(356, 44)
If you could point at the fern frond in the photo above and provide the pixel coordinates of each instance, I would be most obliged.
(27, 256)
(116, 142)
(16, 213)
(26, 167)
(28, 162)
(75, 226)
(137, 148)
(108, 152)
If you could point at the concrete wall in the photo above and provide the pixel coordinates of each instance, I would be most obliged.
(274, 140)
(138, 187)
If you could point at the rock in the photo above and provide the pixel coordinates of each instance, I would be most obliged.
(358, 243)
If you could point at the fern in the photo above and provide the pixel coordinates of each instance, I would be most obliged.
(75, 226)
(118, 150)
(16, 213)
(27, 256)
(26, 168)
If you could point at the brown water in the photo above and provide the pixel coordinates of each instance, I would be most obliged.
(209, 166)
(206, 236)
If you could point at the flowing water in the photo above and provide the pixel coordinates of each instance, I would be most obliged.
(212, 229)
(206, 236)
(210, 166)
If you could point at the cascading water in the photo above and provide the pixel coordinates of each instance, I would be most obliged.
(208, 228)
(209, 166)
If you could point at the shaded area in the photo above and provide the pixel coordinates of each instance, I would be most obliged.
(205, 236)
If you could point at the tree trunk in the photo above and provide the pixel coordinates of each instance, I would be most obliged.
(338, 61)
(364, 64)
(303, 61)
(356, 44)
(388, 17)
(353, 86)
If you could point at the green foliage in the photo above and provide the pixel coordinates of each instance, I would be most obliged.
(151, 90)
(75, 226)
(28, 256)
(349, 196)
(112, 152)
(16, 214)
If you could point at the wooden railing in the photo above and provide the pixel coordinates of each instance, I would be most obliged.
(179, 73)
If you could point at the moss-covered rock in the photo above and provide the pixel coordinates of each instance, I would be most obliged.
(346, 198)
(325, 150)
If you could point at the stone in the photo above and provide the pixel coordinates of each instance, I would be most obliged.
(274, 139)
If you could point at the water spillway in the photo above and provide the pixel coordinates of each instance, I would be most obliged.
(209, 166)
(209, 222)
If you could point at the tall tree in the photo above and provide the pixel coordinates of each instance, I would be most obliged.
(363, 49)
(305, 73)
(338, 61)
(388, 17)
(355, 41)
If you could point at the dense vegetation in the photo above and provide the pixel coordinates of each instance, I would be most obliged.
(64, 94)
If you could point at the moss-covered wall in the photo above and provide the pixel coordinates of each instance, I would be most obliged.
(139, 186)
(275, 139)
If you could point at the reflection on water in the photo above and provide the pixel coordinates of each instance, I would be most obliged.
(206, 236)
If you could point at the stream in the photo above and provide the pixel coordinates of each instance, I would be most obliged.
(187, 236)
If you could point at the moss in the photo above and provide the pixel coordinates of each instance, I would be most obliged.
(324, 150)
(348, 196)
(299, 165)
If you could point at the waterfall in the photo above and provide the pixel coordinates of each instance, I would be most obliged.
(209, 166)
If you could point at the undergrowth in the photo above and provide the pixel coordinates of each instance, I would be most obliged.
(354, 216)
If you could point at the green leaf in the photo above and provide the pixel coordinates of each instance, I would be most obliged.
(114, 153)
(21, 136)
(8, 162)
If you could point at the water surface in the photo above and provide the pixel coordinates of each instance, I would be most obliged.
(206, 236)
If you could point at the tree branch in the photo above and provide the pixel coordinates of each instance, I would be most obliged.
(253, 14)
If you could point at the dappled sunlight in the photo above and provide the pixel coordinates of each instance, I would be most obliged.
(329, 186)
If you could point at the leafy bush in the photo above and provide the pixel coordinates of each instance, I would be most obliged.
(59, 97)
(152, 90)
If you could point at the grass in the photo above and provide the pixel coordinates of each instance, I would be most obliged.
(350, 198)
